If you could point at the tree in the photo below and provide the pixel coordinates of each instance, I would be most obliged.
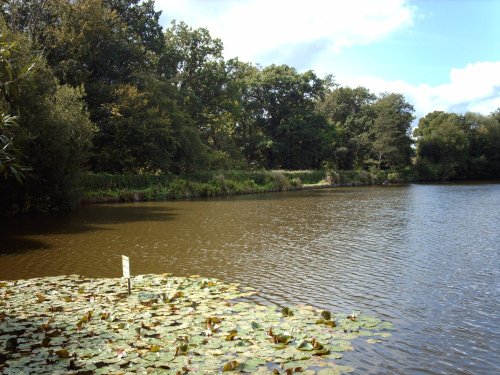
(10, 76)
(282, 104)
(391, 131)
(483, 136)
(193, 60)
(142, 20)
(442, 143)
(53, 135)
(56, 133)
(147, 132)
(95, 43)
(350, 111)
(26, 16)
(496, 114)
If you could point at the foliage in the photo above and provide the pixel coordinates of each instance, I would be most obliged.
(281, 128)
(350, 112)
(458, 146)
(131, 187)
(57, 135)
(53, 133)
(107, 181)
(138, 135)
(9, 154)
(11, 73)
(391, 131)
(208, 92)
(104, 76)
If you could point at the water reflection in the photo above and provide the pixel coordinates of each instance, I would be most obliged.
(424, 256)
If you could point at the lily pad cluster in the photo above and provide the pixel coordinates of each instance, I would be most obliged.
(168, 325)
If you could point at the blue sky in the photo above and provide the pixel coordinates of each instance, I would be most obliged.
(442, 55)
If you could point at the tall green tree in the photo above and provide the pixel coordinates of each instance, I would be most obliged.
(442, 145)
(53, 135)
(100, 44)
(391, 131)
(143, 22)
(193, 61)
(147, 132)
(282, 102)
(350, 111)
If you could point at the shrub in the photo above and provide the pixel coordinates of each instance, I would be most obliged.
(279, 181)
(365, 177)
(295, 182)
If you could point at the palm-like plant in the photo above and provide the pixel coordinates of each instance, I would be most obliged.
(9, 155)
(9, 76)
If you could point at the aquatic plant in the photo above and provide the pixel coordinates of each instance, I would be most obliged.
(171, 325)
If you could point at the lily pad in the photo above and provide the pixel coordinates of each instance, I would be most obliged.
(167, 325)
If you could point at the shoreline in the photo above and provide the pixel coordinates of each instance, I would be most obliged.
(129, 196)
(109, 188)
(145, 195)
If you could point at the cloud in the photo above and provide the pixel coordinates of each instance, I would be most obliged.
(475, 88)
(255, 30)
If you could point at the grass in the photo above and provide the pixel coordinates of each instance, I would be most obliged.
(105, 187)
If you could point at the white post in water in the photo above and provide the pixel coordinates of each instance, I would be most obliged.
(126, 271)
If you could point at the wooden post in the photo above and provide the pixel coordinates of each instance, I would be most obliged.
(126, 272)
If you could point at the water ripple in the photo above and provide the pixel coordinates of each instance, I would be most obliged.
(423, 256)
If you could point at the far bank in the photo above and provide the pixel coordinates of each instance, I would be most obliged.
(109, 188)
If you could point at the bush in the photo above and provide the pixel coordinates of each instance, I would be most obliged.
(295, 182)
(365, 177)
(178, 189)
(306, 176)
(279, 181)
(426, 171)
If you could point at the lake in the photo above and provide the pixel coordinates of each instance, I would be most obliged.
(425, 257)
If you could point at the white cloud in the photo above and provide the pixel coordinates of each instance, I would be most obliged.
(252, 29)
(475, 88)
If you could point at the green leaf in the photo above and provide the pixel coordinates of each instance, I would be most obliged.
(327, 315)
(305, 345)
(285, 311)
(110, 341)
(257, 326)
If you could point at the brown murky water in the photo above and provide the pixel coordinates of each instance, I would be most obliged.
(425, 257)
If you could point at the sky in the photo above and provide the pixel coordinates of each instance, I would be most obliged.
(441, 54)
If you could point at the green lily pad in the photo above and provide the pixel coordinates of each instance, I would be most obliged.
(167, 325)
(257, 326)
(305, 345)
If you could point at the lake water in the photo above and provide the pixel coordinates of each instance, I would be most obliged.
(425, 257)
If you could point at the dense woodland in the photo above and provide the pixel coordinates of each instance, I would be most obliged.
(100, 86)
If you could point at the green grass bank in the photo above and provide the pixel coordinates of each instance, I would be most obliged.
(106, 188)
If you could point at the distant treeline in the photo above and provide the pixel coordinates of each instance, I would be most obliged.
(100, 86)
